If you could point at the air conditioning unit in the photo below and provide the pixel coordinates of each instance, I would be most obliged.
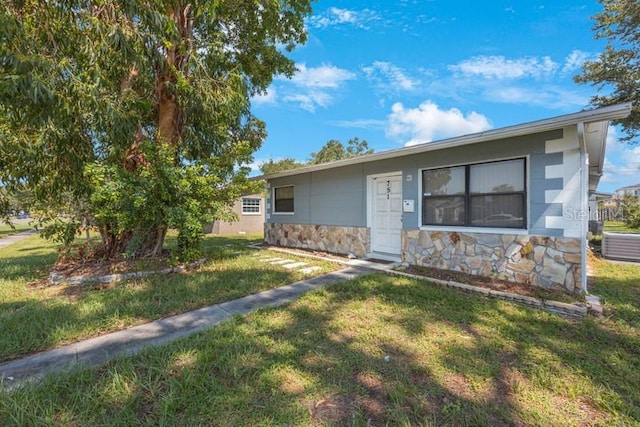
(621, 246)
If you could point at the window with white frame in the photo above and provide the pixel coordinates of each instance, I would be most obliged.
(283, 199)
(478, 195)
(250, 206)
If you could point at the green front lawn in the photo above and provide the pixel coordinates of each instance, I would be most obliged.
(619, 227)
(378, 350)
(8, 230)
(37, 317)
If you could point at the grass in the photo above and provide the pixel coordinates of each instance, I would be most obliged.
(619, 227)
(34, 318)
(611, 227)
(18, 226)
(377, 350)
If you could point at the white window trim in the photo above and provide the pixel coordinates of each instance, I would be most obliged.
(487, 230)
(273, 199)
(251, 213)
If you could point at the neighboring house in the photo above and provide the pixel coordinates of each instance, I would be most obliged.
(510, 202)
(250, 211)
(631, 190)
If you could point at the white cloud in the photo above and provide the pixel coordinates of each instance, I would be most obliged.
(532, 81)
(360, 124)
(310, 100)
(314, 85)
(499, 67)
(336, 16)
(325, 76)
(388, 75)
(621, 164)
(547, 96)
(428, 121)
(268, 98)
(574, 60)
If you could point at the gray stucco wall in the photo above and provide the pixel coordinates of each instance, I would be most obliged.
(246, 223)
(338, 197)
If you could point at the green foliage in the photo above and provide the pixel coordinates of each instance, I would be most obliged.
(334, 150)
(617, 69)
(137, 113)
(5, 206)
(61, 230)
(274, 166)
(12, 202)
(357, 147)
(164, 194)
(630, 207)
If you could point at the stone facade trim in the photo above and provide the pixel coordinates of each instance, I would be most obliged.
(549, 262)
(334, 239)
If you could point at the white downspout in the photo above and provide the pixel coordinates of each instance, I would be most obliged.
(584, 204)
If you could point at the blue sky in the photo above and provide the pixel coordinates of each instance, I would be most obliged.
(403, 72)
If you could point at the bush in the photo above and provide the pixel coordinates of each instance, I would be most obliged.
(630, 207)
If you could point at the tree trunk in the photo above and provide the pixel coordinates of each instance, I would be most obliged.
(170, 115)
(149, 242)
(131, 243)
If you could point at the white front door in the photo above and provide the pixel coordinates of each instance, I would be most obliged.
(386, 213)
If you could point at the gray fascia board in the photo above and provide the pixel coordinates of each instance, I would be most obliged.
(612, 112)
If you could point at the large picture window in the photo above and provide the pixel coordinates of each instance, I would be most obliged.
(480, 195)
(283, 199)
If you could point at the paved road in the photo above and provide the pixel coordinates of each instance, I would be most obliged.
(6, 241)
(95, 351)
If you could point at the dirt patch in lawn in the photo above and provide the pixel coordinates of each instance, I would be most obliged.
(103, 267)
(332, 410)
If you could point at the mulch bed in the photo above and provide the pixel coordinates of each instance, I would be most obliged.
(101, 267)
(491, 283)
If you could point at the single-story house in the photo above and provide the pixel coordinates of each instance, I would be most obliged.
(251, 215)
(509, 203)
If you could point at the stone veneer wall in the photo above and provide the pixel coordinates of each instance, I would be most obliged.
(339, 240)
(536, 260)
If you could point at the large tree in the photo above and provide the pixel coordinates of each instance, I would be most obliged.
(137, 110)
(274, 166)
(334, 150)
(616, 72)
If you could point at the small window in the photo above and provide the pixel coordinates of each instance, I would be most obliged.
(250, 206)
(283, 199)
(479, 195)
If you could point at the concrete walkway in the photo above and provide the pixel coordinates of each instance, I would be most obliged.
(95, 351)
(6, 241)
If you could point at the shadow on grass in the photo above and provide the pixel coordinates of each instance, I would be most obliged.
(273, 367)
(32, 325)
(35, 319)
(210, 241)
(6, 230)
(28, 267)
(452, 359)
